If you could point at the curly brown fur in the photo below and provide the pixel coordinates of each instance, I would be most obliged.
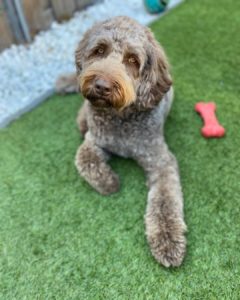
(124, 75)
(81, 119)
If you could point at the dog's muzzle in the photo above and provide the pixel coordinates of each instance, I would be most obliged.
(105, 83)
(102, 89)
(99, 90)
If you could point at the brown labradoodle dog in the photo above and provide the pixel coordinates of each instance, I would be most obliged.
(123, 73)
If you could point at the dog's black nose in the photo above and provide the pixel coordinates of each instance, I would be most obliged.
(103, 86)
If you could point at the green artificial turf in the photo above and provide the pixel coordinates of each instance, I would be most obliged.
(59, 239)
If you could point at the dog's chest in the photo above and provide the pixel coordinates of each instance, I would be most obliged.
(127, 137)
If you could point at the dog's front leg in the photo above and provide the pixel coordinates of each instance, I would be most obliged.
(82, 119)
(164, 218)
(91, 162)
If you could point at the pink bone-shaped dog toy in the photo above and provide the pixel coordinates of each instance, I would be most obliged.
(211, 127)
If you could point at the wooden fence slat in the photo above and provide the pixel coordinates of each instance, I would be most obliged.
(63, 10)
(6, 36)
(83, 3)
(39, 15)
(13, 19)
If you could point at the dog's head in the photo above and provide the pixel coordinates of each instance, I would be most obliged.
(119, 63)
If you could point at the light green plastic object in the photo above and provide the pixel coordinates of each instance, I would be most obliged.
(156, 6)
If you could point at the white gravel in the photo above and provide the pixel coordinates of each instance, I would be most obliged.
(28, 73)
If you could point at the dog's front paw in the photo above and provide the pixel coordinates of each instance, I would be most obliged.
(168, 252)
(168, 246)
(110, 185)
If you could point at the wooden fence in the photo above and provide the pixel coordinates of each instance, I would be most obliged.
(20, 20)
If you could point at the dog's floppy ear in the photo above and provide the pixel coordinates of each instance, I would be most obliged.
(81, 49)
(155, 77)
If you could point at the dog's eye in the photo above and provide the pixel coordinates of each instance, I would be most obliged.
(132, 60)
(132, 63)
(100, 51)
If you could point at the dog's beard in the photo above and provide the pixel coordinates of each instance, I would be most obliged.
(122, 93)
